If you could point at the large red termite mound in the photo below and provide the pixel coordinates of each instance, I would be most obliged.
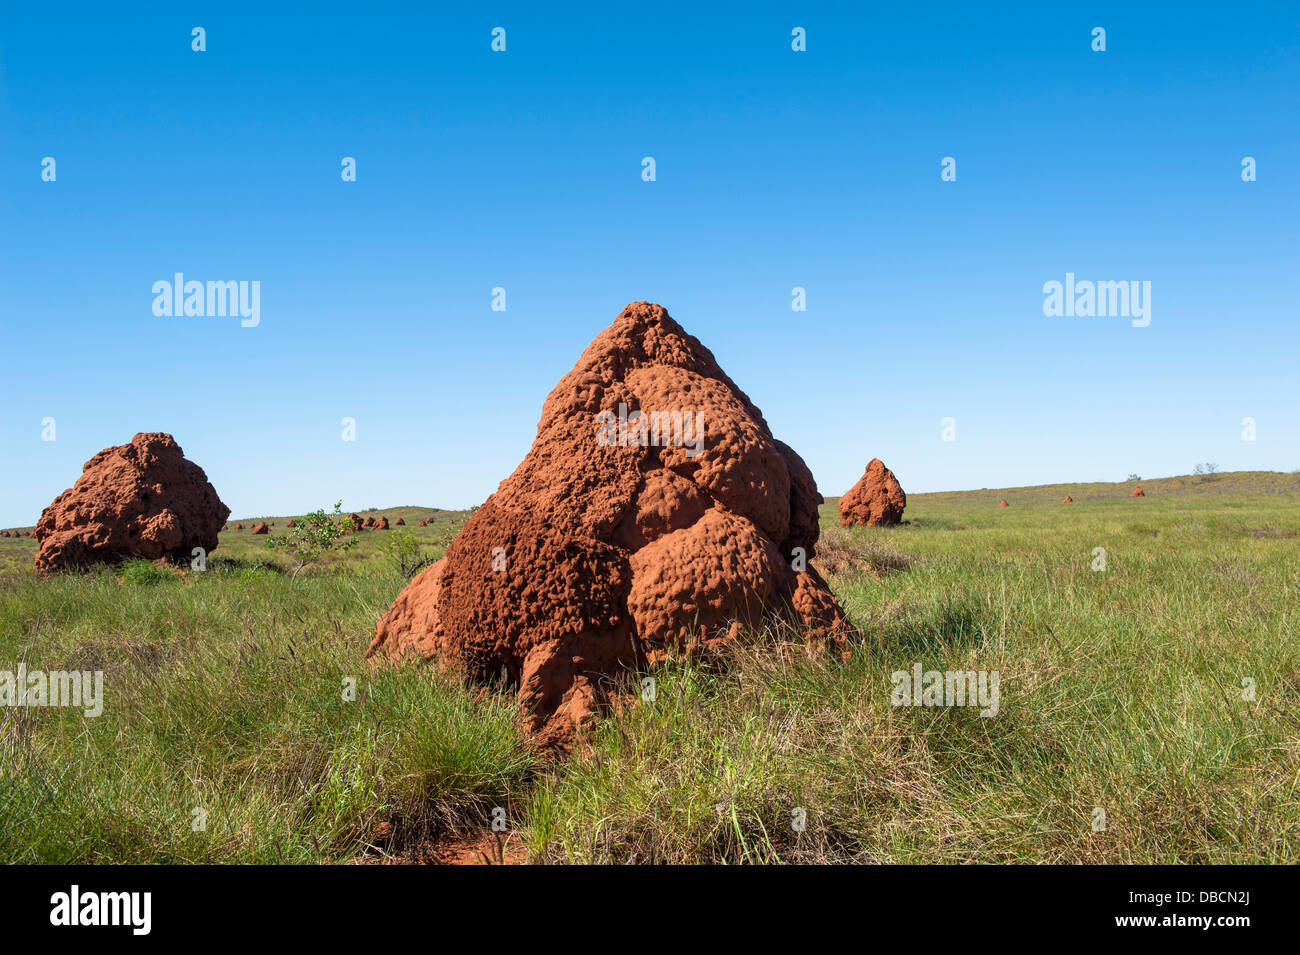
(143, 499)
(654, 516)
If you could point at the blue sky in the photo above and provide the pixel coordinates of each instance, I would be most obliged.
(522, 170)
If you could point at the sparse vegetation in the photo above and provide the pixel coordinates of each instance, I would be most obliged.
(314, 535)
(141, 573)
(403, 548)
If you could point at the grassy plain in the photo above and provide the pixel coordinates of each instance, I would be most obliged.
(1163, 690)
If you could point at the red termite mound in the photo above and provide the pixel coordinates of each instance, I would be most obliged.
(653, 516)
(381, 524)
(292, 523)
(877, 500)
(1003, 504)
(1138, 492)
(1067, 500)
(142, 499)
(398, 522)
(261, 528)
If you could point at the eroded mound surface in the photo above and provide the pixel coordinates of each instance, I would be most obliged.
(654, 515)
(142, 499)
(877, 500)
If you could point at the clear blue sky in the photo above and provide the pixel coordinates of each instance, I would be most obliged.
(522, 169)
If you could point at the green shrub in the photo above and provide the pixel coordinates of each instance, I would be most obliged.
(141, 573)
(314, 535)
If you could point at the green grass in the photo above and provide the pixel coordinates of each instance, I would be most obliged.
(1120, 689)
(224, 691)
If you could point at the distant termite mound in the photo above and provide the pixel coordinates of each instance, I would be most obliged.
(877, 500)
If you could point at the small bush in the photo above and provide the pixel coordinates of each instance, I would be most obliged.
(405, 552)
(141, 573)
(314, 535)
